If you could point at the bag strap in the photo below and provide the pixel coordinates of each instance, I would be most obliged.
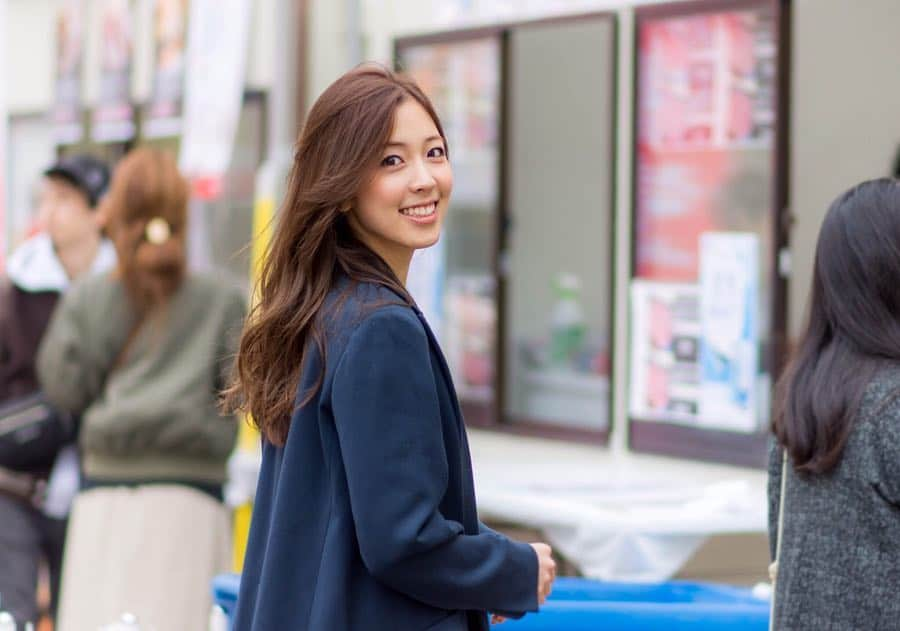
(21, 486)
(773, 567)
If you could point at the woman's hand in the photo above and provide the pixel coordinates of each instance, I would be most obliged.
(495, 619)
(546, 570)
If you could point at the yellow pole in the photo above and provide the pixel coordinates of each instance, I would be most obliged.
(284, 106)
(248, 435)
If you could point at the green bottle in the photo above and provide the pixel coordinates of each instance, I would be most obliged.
(567, 323)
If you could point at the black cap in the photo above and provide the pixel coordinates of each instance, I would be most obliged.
(87, 173)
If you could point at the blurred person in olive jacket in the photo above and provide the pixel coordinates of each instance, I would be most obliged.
(141, 355)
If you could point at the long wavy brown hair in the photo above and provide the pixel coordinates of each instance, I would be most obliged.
(147, 185)
(313, 245)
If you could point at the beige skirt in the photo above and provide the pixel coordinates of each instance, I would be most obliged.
(150, 551)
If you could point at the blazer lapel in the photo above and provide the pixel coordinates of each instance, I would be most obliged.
(442, 364)
(467, 492)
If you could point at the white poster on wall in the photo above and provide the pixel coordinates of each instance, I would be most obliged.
(665, 338)
(729, 349)
(218, 32)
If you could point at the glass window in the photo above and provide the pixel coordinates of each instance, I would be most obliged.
(454, 282)
(705, 191)
(557, 276)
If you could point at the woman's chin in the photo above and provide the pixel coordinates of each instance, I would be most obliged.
(423, 243)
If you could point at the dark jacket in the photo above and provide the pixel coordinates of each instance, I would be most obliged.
(840, 559)
(366, 518)
(29, 291)
(23, 320)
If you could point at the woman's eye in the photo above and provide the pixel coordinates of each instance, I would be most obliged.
(391, 161)
(436, 152)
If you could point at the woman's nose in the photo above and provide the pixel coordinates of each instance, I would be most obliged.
(422, 178)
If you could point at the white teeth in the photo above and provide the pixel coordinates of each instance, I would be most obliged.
(419, 211)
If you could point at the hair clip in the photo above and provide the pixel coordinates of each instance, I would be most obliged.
(157, 231)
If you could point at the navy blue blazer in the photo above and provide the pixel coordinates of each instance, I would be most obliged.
(366, 518)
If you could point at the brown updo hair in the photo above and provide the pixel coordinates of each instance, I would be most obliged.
(147, 185)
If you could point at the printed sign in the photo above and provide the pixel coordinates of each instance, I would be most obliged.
(162, 115)
(113, 116)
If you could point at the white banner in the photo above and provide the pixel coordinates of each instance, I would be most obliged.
(218, 32)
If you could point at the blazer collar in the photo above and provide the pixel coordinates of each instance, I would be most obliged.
(442, 361)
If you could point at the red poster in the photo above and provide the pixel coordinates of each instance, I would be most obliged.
(705, 139)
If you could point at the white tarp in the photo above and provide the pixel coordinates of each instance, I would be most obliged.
(616, 517)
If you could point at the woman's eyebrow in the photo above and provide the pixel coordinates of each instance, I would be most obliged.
(397, 143)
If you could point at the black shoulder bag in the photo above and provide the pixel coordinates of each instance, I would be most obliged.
(32, 432)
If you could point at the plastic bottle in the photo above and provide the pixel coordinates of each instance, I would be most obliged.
(7, 622)
(567, 322)
(218, 619)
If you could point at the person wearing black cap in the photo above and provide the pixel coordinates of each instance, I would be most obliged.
(35, 496)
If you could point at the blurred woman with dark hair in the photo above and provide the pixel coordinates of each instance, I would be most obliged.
(141, 355)
(837, 426)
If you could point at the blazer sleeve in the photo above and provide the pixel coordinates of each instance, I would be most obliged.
(388, 420)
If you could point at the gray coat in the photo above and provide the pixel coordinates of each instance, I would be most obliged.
(840, 565)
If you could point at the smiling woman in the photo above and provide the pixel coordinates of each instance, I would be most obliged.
(353, 397)
(400, 209)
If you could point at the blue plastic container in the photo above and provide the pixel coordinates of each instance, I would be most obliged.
(225, 589)
(585, 605)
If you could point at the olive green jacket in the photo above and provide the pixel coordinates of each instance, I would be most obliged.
(149, 412)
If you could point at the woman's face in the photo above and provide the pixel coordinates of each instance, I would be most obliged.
(401, 207)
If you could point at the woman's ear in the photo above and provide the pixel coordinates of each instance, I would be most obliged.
(101, 217)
